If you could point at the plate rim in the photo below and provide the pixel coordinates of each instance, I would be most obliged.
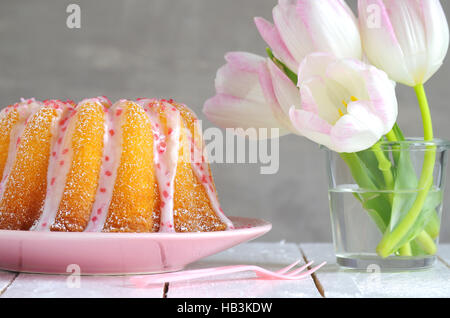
(264, 227)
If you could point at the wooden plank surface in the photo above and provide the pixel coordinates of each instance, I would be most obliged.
(444, 253)
(337, 282)
(272, 256)
(331, 280)
(6, 279)
(59, 286)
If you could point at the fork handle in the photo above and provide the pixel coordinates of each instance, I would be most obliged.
(190, 274)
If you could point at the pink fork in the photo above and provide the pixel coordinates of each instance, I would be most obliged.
(282, 274)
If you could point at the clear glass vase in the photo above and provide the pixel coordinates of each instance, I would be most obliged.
(386, 204)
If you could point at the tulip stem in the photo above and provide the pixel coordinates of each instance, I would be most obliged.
(392, 239)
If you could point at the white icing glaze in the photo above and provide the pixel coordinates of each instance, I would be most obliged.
(203, 173)
(166, 147)
(112, 145)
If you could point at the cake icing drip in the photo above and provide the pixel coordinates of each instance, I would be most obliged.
(166, 148)
(203, 173)
(110, 163)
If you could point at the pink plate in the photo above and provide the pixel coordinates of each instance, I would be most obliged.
(118, 253)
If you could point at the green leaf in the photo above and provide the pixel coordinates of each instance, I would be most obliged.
(289, 73)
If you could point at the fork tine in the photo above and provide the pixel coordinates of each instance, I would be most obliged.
(287, 268)
(311, 271)
(300, 269)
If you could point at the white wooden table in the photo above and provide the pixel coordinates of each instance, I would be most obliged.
(330, 281)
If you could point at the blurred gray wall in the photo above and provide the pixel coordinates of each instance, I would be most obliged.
(172, 49)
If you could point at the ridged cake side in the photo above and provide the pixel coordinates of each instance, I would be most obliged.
(133, 199)
(25, 189)
(82, 179)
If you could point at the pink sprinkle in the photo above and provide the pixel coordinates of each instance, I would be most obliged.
(211, 188)
(53, 181)
(60, 140)
(44, 224)
(54, 154)
(18, 140)
(62, 122)
(118, 112)
(170, 225)
(102, 190)
(63, 129)
(161, 150)
(99, 211)
(162, 205)
(204, 180)
(170, 131)
(158, 166)
(61, 163)
(108, 173)
(174, 109)
(106, 158)
(168, 184)
(111, 132)
(65, 151)
(165, 194)
(94, 219)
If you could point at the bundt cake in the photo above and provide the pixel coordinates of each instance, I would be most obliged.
(135, 166)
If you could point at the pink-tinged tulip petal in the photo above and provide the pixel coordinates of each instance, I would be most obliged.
(316, 98)
(246, 96)
(272, 37)
(238, 76)
(286, 92)
(333, 26)
(270, 90)
(358, 130)
(307, 26)
(366, 82)
(232, 112)
(312, 127)
(437, 33)
(313, 65)
(408, 39)
(347, 105)
(380, 41)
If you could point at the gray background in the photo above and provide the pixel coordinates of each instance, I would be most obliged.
(172, 49)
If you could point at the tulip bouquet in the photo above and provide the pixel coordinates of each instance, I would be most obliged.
(330, 77)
